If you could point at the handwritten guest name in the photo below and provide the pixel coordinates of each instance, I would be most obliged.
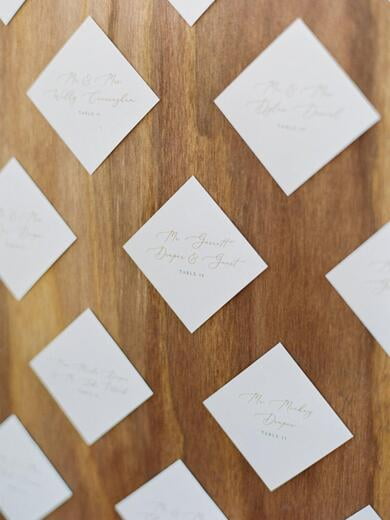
(197, 241)
(291, 90)
(277, 414)
(302, 103)
(88, 91)
(270, 419)
(19, 228)
(20, 474)
(73, 79)
(216, 261)
(191, 251)
(289, 406)
(89, 379)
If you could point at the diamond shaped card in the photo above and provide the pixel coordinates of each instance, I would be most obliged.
(32, 234)
(295, 107)
(8, 9)
(30, 487)
(277, 418)
(91, 95)
(90, 377)
(367, 513)
(193, 255)
(363, 281)
(172, 494)
(191, 10)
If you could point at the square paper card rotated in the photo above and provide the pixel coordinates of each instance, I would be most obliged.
(91, 95)
(172, 494)
(90, 377)
(193, 255)
(32, 234)
(30, 487)
(363, 281)
(295, 107)
(277, 418)
(191, 10)
(8, 9)
(367, 513)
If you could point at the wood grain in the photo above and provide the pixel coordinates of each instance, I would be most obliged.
(301, 237)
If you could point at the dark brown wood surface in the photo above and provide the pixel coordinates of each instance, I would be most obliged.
(301, 237)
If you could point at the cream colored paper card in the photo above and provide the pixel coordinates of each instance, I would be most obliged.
(174, 494)
(366, 513)
(363, 281)
(30, 487)
(8, 9)
(90, 377)
(191, 10)
(91, 95)
(32, 234)
(277, 418)
(193, 255)
(295, 107)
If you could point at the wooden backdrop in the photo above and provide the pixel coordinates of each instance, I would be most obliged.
(301, 237)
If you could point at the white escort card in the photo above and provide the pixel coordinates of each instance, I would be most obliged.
(8, 9)
(90, 377)
(191, 10)
(91, 95)
(174, 494)
(193, 255)
(363, 281)
(30, 487)
(32, 234)
(277, 418)
(295, 107)
(366, 513)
